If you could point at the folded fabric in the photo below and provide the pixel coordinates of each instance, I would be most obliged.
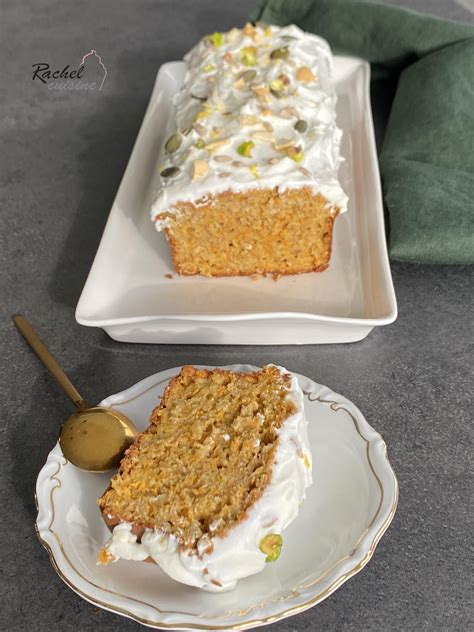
(427, 156)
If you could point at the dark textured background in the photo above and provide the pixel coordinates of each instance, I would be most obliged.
(63, 155)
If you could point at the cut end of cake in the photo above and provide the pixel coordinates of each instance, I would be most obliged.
(258, 232)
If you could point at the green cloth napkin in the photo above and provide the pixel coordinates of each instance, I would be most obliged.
(427, 157)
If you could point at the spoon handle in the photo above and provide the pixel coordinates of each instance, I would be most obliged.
(47, 359)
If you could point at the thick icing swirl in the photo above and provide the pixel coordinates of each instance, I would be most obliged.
(256, 110)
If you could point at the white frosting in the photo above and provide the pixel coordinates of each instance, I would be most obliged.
(237, 554)
(227, 101)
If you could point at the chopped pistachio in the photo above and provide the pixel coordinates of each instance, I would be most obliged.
(268, 31)
(245, 148)
(271, 546)
(200, 143)
(254, 171)
(209, 68)
(173, 143)
(222, 158)
(306, 461)
(295, 153)
(200, 169)
(280, 53)
(305, 75)
(169, 172)
(217, 39)
(301, 126)
(248, 56)
(276, 84)
(203, 114)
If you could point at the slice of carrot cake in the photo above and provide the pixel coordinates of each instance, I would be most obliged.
(207, 490)
(249, 175)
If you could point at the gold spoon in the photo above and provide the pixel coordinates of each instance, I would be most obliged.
(94, 438)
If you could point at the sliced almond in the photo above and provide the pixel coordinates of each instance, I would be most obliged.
(263, 94)
(305, 74)
(283, 143)
(200, 169)
(217, 144)
(267, 126)
(228, 58)
(305, 172)
(239, 84)
(200, 129)
(222, 158)
(274, 161)
(266, 112)
(266, 137)
(249, 119)
(225, 174)
(288, 113)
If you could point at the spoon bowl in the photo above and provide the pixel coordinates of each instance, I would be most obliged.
(95, 439)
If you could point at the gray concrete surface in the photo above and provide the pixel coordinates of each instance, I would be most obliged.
(63, 155)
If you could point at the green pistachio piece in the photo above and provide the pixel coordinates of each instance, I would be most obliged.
(173, 143)
(169, 172)
(247, 56)
(216, 39)
(301, 126)
(200, 143)
(271, 546)
(280, 53)
(209, 68)
(276, 85)
(245, 148)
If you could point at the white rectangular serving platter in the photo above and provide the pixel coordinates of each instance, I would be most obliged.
(130, 294)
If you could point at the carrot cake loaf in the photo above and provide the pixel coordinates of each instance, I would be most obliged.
(207, 490)
(248, 176)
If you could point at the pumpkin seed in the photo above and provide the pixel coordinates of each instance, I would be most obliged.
(169, 172)
(280, 53)
(173, 143)
(248, 75)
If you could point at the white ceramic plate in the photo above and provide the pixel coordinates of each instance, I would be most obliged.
(129, 295)
(348, 508)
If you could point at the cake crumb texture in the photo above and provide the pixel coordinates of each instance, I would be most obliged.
(206, 457)
(254, 232)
